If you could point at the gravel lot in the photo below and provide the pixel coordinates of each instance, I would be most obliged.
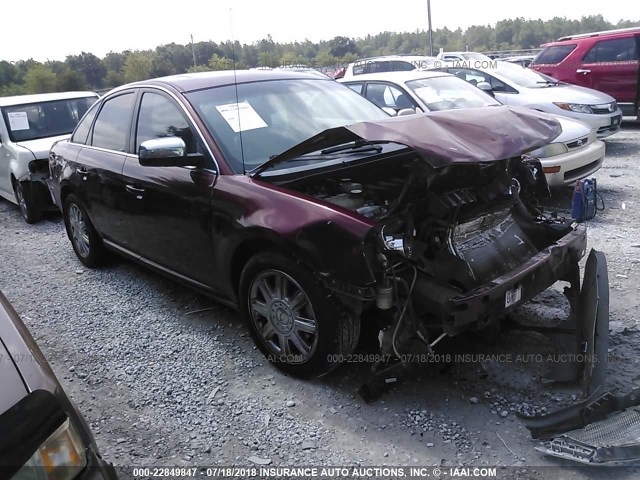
(165, 376)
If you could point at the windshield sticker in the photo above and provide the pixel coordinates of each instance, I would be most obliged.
(241, 116)
(18, 121)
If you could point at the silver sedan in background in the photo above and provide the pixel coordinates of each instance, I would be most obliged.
(512, 84)
(576, 153)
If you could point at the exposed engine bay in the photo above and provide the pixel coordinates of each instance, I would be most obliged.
(453, 248)
(463, 224)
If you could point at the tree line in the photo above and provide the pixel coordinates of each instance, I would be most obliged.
(87, 71)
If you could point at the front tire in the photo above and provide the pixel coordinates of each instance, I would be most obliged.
(296, 323)
(28, 209)
(84, 238)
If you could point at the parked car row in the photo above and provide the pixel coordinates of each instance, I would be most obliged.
(574, 154)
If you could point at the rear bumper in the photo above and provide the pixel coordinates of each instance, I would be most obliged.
(575, 164)
(487, 303)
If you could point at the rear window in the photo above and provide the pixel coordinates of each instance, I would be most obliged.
(45, 119)
(614, 50)
(374, 66)
(553, 55)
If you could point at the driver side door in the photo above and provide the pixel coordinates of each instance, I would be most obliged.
(167, 215)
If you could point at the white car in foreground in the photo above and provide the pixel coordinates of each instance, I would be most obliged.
(512, 84)
(573, 155)
(29, 126)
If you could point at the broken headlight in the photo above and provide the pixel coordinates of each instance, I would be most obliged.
(60, 457)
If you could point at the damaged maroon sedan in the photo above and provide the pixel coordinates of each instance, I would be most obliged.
(322, 219)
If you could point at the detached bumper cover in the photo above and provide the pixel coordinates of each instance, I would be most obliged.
(532, 277)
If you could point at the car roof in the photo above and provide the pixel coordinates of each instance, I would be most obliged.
(572, 39)
(188, 82)
(43, 97)
(406, 58)
(399, 77)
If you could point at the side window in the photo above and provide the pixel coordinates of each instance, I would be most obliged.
(474, 77)
(82, 130)
(384, 95)
(554, 54)
(160, 117)
(616, 50)
(113, 122)
(356, 87)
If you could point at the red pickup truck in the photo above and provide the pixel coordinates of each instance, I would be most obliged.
(607, 61)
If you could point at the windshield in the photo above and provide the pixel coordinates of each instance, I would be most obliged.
(448, 92)
(268, 118)
(45, 119)
(525, 77)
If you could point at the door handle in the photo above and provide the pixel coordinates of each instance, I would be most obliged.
(82, 171)
(136, 190)
(581, 70)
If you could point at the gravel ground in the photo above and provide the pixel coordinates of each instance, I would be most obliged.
(165, 376)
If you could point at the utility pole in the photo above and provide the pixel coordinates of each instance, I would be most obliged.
(193, 52)
(430, 29)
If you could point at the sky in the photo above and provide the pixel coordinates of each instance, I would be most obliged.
(51, 30)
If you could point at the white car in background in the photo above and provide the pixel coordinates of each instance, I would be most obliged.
(29, 126)
(573, 155)
(463, 57)
(512, 84)
(388, 63)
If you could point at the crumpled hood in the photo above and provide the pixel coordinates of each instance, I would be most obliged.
(445, 137)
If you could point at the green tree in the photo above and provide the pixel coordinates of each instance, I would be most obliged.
(70, 80)
(340, 46)
(137, 66)
(90, 66)
(113, 79)
(40, 79)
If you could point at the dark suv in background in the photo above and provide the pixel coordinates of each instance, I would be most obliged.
(607, 61)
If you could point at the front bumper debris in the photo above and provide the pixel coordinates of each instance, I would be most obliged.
(602, 430)
(583, 337)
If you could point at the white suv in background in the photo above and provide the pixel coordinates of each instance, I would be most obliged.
(29, 125)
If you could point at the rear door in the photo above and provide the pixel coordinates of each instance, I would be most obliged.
(98, 167)
(611, 66)
(167, 214)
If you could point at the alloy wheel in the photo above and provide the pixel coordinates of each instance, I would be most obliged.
(283, 316)
(78, 227)
(22, 202)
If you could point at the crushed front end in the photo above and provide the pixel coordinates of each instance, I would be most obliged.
(459, 238)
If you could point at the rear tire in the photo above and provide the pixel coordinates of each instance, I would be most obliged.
(296, 323)
(28, 209)
(84, 238)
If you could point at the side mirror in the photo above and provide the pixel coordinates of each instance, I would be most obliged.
(485, 87)
(406, 111)
(166, 152)
(390, 111)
